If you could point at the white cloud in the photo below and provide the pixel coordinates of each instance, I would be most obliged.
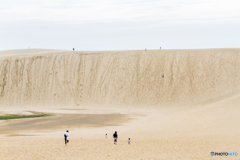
(75, 11)
(119, 24)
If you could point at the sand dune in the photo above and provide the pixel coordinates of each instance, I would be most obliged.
(187, 114)
(120, 78)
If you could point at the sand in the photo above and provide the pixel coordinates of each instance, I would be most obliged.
(187, 114)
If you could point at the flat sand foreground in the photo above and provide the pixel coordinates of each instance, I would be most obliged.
(157, 133)
(206, 118)
(52, 148)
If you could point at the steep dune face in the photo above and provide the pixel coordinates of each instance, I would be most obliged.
(63, 78)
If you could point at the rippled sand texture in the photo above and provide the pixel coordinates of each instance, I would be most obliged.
(121, 77)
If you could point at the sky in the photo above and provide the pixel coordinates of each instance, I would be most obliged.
(92, 25)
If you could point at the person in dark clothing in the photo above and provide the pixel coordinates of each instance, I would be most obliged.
(115, 137)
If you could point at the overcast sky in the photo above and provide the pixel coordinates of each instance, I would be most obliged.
(119, 24)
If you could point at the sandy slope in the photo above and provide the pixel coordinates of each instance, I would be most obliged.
(27, 52)
(187, 114)
(118, 78)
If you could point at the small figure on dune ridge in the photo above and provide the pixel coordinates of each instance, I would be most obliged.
(106, 135)
(129, 141)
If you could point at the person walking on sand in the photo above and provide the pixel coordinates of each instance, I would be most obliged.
(129, 141)
(115, 137)
(66, 137)
(106, 135)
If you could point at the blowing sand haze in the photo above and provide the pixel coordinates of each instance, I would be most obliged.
(174, 104)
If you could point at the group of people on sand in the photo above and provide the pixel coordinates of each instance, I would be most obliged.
(115, 137)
